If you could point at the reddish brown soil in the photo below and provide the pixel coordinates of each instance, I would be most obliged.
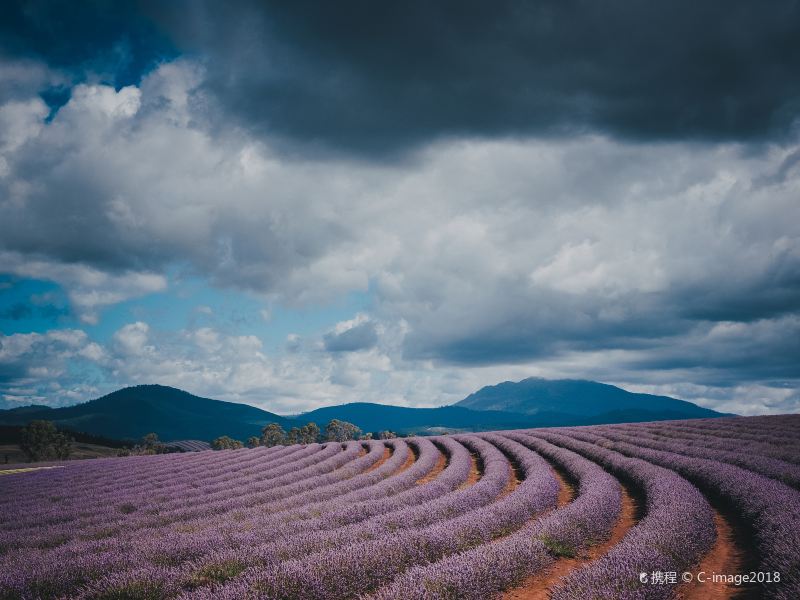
(474, 473)
(409, 461)
(538, 586)
(513, 482)
(441, 463)
(386, 454)
(725, 557)
(566, 491)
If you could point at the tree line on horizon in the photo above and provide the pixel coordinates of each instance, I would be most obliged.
(42, 440)
(274, 435)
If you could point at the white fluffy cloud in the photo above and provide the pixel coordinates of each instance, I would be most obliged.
(89, 289)
(33, 367)
(583, 256)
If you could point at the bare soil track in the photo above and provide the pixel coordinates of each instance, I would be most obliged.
(441, 463)
(387, 453)
(474, 473)
(724, 557)
(538, 587)
(513, 482)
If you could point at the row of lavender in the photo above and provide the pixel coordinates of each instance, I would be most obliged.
(335, 521)
(51, 570)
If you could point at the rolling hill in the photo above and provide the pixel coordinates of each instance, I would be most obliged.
(375, 417)
(173, 414)
(132, 412)
(581, 399)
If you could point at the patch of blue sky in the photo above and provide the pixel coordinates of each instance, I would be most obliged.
(31, 305)
(28, 305)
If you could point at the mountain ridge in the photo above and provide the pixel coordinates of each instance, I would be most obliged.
(578, 397)
(132, 412)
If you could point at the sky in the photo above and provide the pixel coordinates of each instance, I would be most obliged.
(300, 204)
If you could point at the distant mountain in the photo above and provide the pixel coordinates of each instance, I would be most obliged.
(173, 414)
(584, 400)
(133, 412)
(31, 408)
(376, 417)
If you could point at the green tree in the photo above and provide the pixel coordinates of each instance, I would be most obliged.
(226, 443)
(341, 431)
(152, 445)
(253, 441)
(294, 436)
(150, 440)
(309, 433)
(273, 435)
(41, 440)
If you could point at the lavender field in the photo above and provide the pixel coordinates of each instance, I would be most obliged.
(617, 511)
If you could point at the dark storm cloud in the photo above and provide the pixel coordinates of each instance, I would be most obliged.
(512, 325)
(727, 354)
(379, 77)
(512, 238)
(737, 330)
(110, 39)
(360, 337)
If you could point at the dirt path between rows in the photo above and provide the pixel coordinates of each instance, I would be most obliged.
(387, 453)
(725, 557)
(538, 586)
(566, 491)
(441, 463)
(409, 461)
(474, 473)
(513, 482)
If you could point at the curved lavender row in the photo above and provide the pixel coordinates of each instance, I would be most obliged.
(304, 476)
(309, 536)
(481, 572)
(321, 495)
(321, 498)
(79, 522)
(334, 468)
(775, 437)
(760, 429)
(41, 484)
(774, 469)
(147, 471)
(784, 425)
(64, 568)
(81, 515)
(789, 454)
(494, 479)
(387, 498)
(69, 566)
(776, 434)
(359, 568)
(771, 509)
(108, 467)
(250, 547)
(111, 516)
(364, 503)
(83, 505)
(676, 531)
(782, 463)
(321, 491)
